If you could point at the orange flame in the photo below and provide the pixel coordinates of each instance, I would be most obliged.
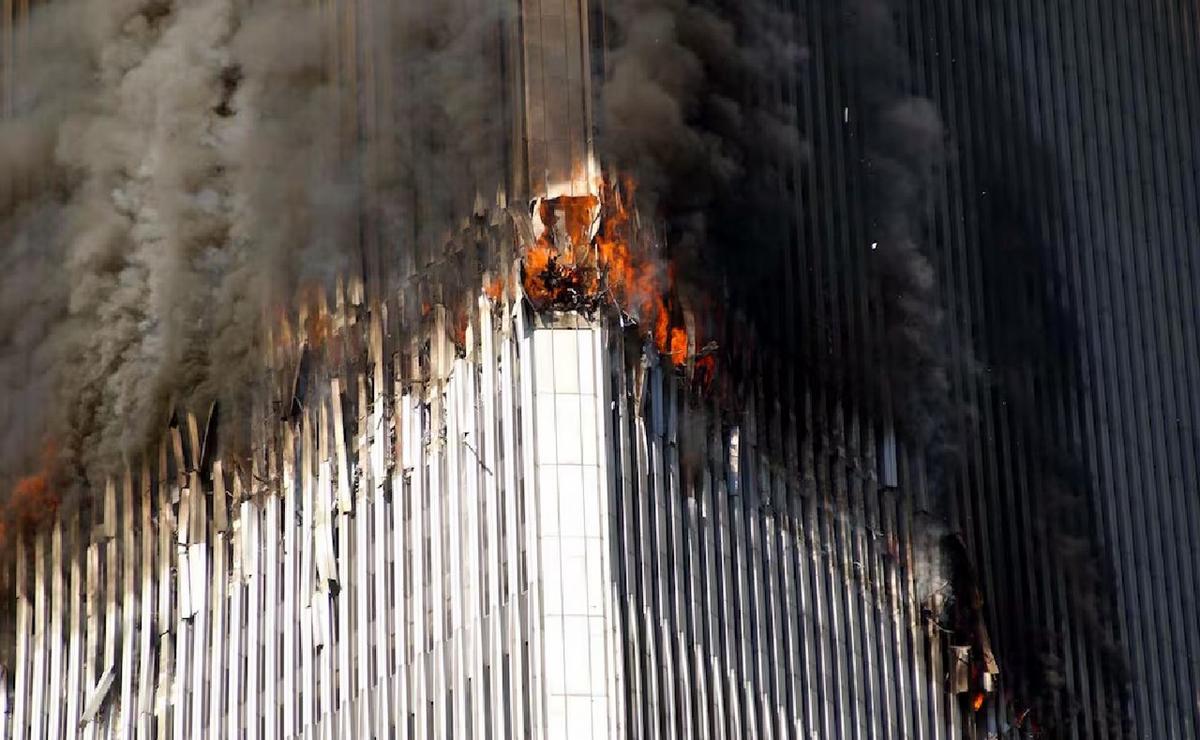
(282, 338)
(314, 324)
(317, 324)
(978, 700)
(565, 267)
(706, 371)
(559, 267)
(33, 501)
(458, 327)
(494, 289)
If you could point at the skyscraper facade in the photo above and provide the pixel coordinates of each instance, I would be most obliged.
(925, 467)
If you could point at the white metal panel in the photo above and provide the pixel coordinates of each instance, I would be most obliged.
(111, 570)
(6, 730)
(252, 640)
(127, 707)
(197, 564)
(235, 662)
(38, 645)
(381, 559)
(91, 674)
(327, 573)
(306, 585)
(96, 697)
(55, 689)
(290, 646)
(75, 653)
(217, 663)
(271, 607)
(361, 582)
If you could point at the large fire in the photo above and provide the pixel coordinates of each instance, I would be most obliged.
(562, 267)
(584, 257)
(33, 501)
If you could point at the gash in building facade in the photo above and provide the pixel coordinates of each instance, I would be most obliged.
(932, 474)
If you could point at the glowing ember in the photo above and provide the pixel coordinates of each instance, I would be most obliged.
(706, 370)
(978, 700)
(494, 289)
(458, 329)
(315, 320)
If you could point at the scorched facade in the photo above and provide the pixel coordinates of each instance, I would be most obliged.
(486, 499)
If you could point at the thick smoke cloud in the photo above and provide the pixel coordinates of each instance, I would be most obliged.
(441, 151)
(181, 169)
(164, 160)
(1036, 368)
(175, 172)
(904, 148)
(695, 106)
(689, 109)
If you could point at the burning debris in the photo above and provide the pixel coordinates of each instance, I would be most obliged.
(563, 267)
(974, 670)
(583, 258)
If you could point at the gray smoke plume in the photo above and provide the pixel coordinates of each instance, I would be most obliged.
(175, 172)
(440, 146)
(171, 180)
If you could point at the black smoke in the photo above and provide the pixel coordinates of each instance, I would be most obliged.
(701, 102)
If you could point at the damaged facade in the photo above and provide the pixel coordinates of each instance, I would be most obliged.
(511, 500)
(517, 517)
(539, 534)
